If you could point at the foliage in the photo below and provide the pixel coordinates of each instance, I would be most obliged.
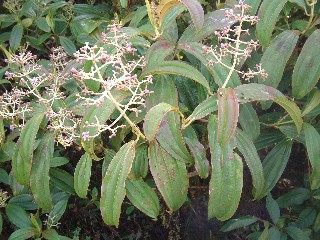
(157, 98)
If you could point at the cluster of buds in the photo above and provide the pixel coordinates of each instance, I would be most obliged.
(233, 43)
(114, 67)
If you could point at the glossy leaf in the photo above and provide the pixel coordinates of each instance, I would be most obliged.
(102, 113)
(39, 179)
(268, 15)
(113, 184)
(170, 176)
(228, 113)
(153, 119)
(250, 154)
(249, 121)
(203, 109)
(306, 72)
(16, 36)
(293, 110)
(193, 6)
(276, 56)
(82, 175)
(226, 178)
(313, 148)
(23, 233)
(273, 209)
(142, 196)
(238, 223)
(22, 158)
(275, 163)
(178, 68)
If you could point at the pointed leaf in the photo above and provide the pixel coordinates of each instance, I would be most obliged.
(2, 133)
(249, 121)
(178, 68)
(228, 113)
(113, 184)
(297, 233)
(62, 180)
(275, 163)
(250, 154)
(67, 45)
(312, 102)
(16, 36)
(238, 223)
(22, 158)
(153, 119)
(23, 233)
(268, 15)
(18, 216)
(158, 52)
(51, 234)
(293, 110)
(142, 196)
(313, 148)
(39, 179)
(276, 56)
(170, 176)
(226, 179)
(82, 175)
(203, 109)
(273, 209)
(306, 72)
(294, 197)
(140, 163)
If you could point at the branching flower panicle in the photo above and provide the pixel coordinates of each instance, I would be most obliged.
(233, 44)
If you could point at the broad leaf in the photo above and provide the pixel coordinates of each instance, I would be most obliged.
(275, 163)
(82, 175)
(250, 154)
(158, 52)
(140, 163)
(226, 179)
(39, 179)
(62, 180)
(170, 176)
(249, 121)
(23, 233)
(18, 216)
(297, 233)
(203, 109)
(294, 197)
(142, 196)
(268, 15)
(273, 209)
(22, 158)
(228, 113)
(306, 72)
(16, 36)
(113, 184)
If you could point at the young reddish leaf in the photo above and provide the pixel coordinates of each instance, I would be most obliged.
(306, 72)
(193, 6)
(228, 113)
(170, 176)
(113, 184)
(268, 15)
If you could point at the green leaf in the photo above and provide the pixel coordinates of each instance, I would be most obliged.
(56, 213)
(25, 201)
(2, 133)
(170, 176)
(213, 21)
(58, 161)
(306, 72)
(140, 162)
(101, 113)
(23, 233)
(67, 45)
(22, 158)
(254, 6)
(296, 196)
(178, 68)
(256, 92)
(306, 217)
(300, 3)
(16, 36)
(312, 102)
(18, 216)
(316, 225)
(50, 234)
(113, 184)
(293, 110)
(82, 175)
(268, 15)
(265, 233)
(228, 113)
(1, 223)
(275, 163)
(273, 209)
(143, 197)
(203, 109)
(249, 121)
(62, 180)
(238, 223)
(276, 56)
(226, 178)
(153, 119)
(39, 179)
(250, 154)
(4, 177)
(313, 145)
(297, 233)
(42, 24)
(268, 138)
(158, 51)
(139, 14)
